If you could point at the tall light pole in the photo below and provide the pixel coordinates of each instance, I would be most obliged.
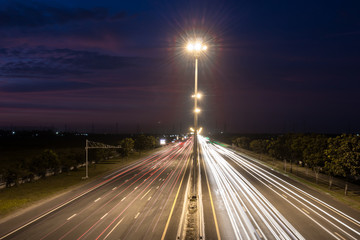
(196, 48)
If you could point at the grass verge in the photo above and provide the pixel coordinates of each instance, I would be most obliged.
(15, 198)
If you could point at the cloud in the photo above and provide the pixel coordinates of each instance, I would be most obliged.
(35, 14)
(42, 86)
(42, 62)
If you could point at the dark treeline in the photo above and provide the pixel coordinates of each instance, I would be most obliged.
(29, 155)
(336, 156)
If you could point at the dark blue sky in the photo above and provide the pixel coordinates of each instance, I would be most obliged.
(272, 66)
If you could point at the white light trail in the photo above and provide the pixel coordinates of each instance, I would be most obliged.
(245, 205)
(232, 185)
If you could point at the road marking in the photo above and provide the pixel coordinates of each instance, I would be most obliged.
(53, 210)
(114, 188)
(97, 199)
(173, 206)
(126, 180)
(259, 233)
(71, 217)
(149, 198)
(137, 215)
(340, 236)
(305, 211)
(157, 187)
(123, 199)
(146, 193)
(104, 215)
(113, 228)
(212, 204)
(159, 179)
(284, 195)
(136, 188)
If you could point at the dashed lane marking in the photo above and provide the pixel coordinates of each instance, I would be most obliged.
(71, 217)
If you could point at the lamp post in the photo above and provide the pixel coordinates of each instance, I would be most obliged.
(196, 48)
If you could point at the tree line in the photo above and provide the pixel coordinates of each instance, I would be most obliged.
(336, 156)
(49, 161)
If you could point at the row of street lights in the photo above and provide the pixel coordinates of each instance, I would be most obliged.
(196, 48)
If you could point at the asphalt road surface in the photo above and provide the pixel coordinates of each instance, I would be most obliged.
(239, 198)
(253, 202)
(142, 201)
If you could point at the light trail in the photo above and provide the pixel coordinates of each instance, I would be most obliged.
(235, 186)
(247, 208)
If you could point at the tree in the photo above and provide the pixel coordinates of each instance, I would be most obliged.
(242, 142)
(150, 142)
(280, 148)
(259, 146)
(140, 143)
(343, 157)
(103, 154)
(127, 146)
(47, 160)
(313, 153)
(143, 142)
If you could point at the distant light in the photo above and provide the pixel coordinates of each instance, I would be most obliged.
(162, 141)
(199, 131)
(13, 132)
(198, 96)
(57, 133)
(197, 110)
(191, 129)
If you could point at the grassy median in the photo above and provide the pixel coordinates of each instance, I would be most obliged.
(23, 195)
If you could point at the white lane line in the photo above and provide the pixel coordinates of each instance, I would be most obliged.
(284, 195)
(123, 199)
(126, 180)
(136, 188)
(145, 194)
(71, 217)
(53, 210)
(305, 211)
(149, 198)
(114, 188)
(113, 228)
(157, 187)
(104, 215)
(259, 233)
(97, 199)
(137, 215)
(340, 236)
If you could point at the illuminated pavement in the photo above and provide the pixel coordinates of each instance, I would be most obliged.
(240, 198)
(132, 203)
(253, 202)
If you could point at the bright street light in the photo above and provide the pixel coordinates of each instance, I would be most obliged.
(198, 96)
(196, 48)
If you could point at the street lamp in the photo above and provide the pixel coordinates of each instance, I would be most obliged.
(196, 48)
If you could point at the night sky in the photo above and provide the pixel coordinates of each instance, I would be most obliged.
(121, 66)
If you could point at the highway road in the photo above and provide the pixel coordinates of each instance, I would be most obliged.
(254, 202)
(141, 201)
(238, 198)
